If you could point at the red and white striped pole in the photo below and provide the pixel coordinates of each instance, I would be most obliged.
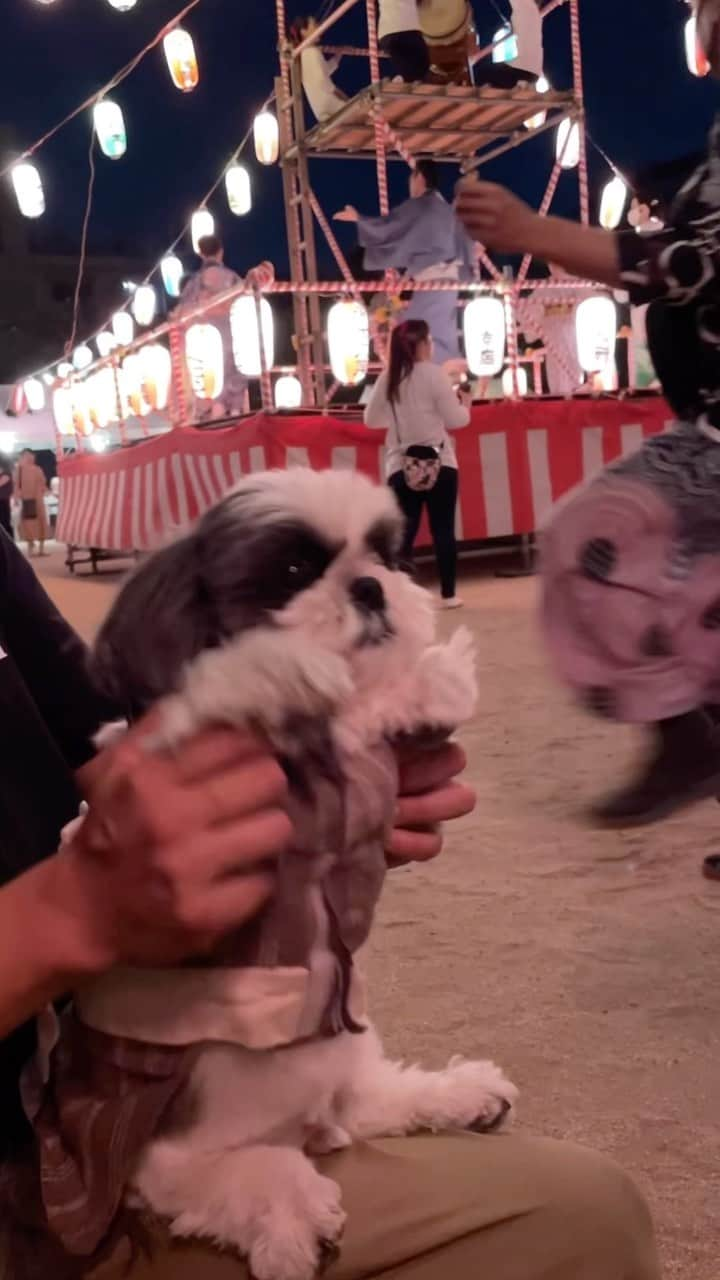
(580, 98)
(380, 152)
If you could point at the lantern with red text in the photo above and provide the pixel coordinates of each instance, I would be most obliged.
(484, 331)
(181, 59)
(131, 384)
(205, 360)
(156, 374)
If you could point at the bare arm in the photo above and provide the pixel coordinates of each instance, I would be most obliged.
(377, 409)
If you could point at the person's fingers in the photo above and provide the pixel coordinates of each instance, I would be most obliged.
(235, 902)
(441, 805)
(212, 750)
(243, 790)
(413, 846)
(424, 770)
(234, 850)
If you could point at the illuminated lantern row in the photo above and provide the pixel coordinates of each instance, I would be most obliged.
(245, 337)
(567, 147)
(612, 203)
(536, 121)
(123, 328)
(266, 137)
(205, 360)
(596, 330)
(28, 189)
(109, 124)
(181, 59)
(202, 224)
(172, 272)
(484, 331)
(505, 45)
(237, 186)
(144, 305)
(697, 62)
(348, 342)
(34, 394)
(288, 392)
(521, 381)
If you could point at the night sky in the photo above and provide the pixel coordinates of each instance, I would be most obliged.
(643, 108)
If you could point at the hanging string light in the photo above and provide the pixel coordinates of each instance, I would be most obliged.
(567, 147)
(28, 189)
(172, 272)
(110, 128)
(612, 203)
(239, 191)
(202, 224)
(181, 59)
(266, 136)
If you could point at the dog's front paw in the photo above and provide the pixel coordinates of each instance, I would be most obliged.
(299, 1238)
(477, 1096)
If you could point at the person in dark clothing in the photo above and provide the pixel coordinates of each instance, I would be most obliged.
(6, 491)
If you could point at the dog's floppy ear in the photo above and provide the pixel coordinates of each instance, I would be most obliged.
(159, 621)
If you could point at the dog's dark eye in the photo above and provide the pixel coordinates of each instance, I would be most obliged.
(298, 560)
(383, 541)
(303, 571)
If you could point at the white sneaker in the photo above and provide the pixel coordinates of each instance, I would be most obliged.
(450, 602)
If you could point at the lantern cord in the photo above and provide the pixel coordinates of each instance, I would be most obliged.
(119, 76)
(83, 246)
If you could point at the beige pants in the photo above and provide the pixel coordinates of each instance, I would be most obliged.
(466, 1208)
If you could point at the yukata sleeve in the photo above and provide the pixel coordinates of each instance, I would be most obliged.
(679, 263)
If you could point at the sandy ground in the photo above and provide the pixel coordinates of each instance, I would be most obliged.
(587, 963)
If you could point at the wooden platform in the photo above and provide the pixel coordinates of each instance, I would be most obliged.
(449, 122)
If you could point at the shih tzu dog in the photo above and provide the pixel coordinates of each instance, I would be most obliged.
(283, 609)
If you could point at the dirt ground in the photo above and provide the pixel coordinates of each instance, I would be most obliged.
(588, 964)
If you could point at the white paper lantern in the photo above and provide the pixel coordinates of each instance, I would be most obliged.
(612, 203)
(49, 378)
(288, 392)
(62, 403)
(567, 147)
(34, 394)
(695, 56)
(521, 380)
(239, 192)
(172, 271)
(98, 443)
(348, 338)
(484, 331)
(202, 224)
(266, 136)
(123, 6)
(105, 343)
(144, 304)
(156, 374)
(245, 339)
(65, 369)
(82, 357)
(181, 59)
(505, 45)
(596, 329)
(28, 189)
(131, 387)
(101, 398)
(205, 360)
(110, 128)
(536, 121)
(123, 327)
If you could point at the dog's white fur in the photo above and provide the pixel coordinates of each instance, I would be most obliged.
(240, 1173)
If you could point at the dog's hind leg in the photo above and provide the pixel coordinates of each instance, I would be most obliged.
(384, 1098)
(269, 1203)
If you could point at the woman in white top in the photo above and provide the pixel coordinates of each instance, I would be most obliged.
(402, 40)
(317, 72)
(415, 403)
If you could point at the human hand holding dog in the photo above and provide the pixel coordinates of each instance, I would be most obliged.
(429, 795)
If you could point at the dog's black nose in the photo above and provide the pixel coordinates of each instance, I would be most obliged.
(368, 594)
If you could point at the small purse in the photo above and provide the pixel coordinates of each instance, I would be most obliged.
(421, 463)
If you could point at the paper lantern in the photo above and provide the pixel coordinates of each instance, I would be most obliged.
(172, 272)
(110, 128)
(28, 189)
(348, 338)
(105, 343)
(596, 330)
(123, 327)
(695, 56)
(536, 121)
(202, 224)
(82, 357)
(521, 380)
(49, 378)
(122, 6)
(181, 59)
(484, 331)
(205, 360)
(62, 404)
(34, 394)
(65, 369)
(245, 339)
(266, 136)
(131, 387)
(144, 304)
(237, 186)
(101, 397)
(288, 392)
(505, 45)
(567, 147)
(155, 374)
(98, 443)
(612, 203)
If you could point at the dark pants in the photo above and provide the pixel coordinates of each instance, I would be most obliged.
(6, 518)
(408, 53)
(502, 76)
(441, 502)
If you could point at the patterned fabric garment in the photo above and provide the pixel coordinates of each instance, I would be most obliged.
(631, 600)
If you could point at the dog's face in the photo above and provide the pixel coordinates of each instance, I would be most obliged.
(311, 553)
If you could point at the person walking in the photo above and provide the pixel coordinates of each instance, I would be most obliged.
(415, 402)
(30, 489)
